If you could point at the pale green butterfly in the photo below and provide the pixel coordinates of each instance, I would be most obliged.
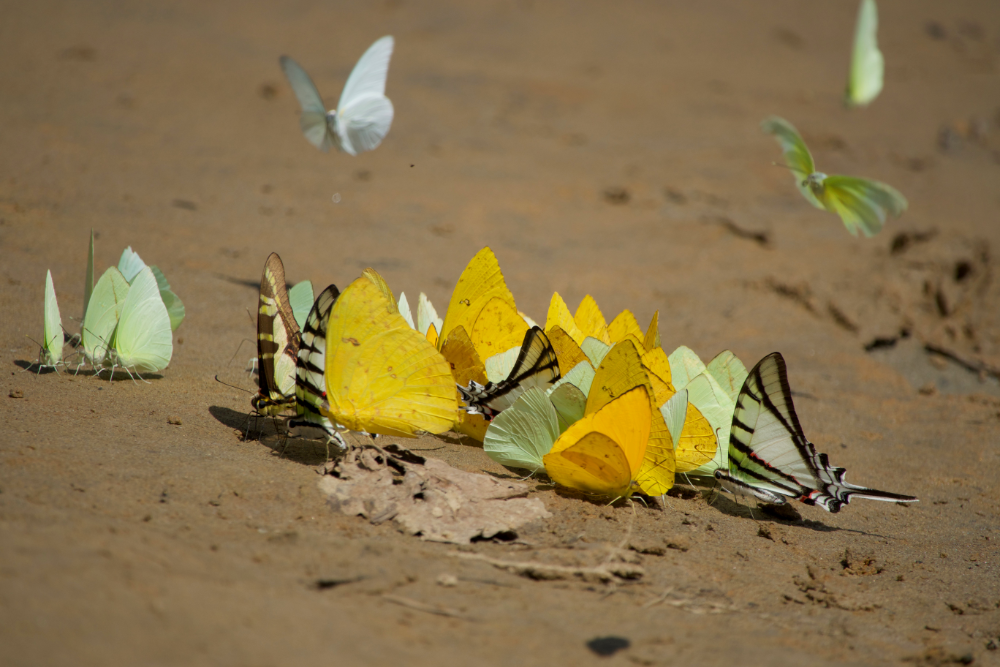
(569, 394)
(403, 306)
(427, 316)
(729, 372)
(522, 434)
(499, 366)
(595, 350)
(51, 352)
(143, 340)
(131, 264)
(103, 310)
(861, 203)
(864, 82)
(684, 367)
(300, 298)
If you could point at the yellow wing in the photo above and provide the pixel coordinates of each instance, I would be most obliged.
(381, 375)
(568, 352)
(432, 335)
(623, 326)
(497, 328)
(559, 316)
(376, 278)
(658, 365)
(480, 282)
(465, 365)
(591, 321)
(603, 452)
(652, 338)
(621, 371)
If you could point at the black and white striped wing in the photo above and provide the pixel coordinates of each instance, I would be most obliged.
(536, 366)
(310, 380)
(769, 455)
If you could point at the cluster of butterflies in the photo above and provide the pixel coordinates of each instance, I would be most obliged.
(364, 114)
(598, 407)
(129, 318)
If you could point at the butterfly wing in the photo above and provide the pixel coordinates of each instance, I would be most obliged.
(520, 436)
(861, 203)
(603, 452)
(143, 340)
(427, 316)
(625, 325)
(130, 264)
(797, 157)
(300, 299)
(310, 366)
(536, 366)
(480, 283)
(103, 313)
(729, 372)
(768, 450)
(864, 81)
(381, 375)
(277, 341)
(175, 307)
(364, 113)
(313, 120)
(52, 331)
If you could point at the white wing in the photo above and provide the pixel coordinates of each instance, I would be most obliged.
(144, 339)
(314, 118)
(867, 63)
(364, 113)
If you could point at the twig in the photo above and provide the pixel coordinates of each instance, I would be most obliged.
(973, 365)
(543, 571)
(423, 606)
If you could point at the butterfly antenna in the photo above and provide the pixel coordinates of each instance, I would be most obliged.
(231, 386)
(245, 340)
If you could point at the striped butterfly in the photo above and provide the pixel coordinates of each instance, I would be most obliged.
(769, 455)
(277, 342)
(862, 204)
(310, 369)
(535, 366)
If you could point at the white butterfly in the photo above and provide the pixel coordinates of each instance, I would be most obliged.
(363, 115)
(864, 82)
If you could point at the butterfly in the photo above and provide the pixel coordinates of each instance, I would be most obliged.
(310, 369)
(620, 371)
(301, 300)
(131, 264)
(104, 308)
(50, 354)
(604, 453)
(864, 82)
(381, 375)
(862, 204)
(427, 322)
(363, 114)
(277, 342)
(769, 455)
(535, 366)
(143, 340)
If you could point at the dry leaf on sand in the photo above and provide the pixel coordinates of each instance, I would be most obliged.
(427, 497)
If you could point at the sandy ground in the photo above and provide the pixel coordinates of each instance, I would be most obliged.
(125, 539)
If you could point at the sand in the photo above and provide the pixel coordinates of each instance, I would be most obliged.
(127, 538)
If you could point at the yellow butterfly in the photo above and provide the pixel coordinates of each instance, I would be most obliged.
(480, 288)
(620, 371)
(381, 375)
(466, 366)
(861, 203)
(604, 452)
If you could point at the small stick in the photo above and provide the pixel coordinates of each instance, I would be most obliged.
(423, 606)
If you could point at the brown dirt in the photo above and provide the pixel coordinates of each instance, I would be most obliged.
(125, 539)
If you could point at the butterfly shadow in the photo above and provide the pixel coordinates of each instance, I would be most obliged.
(250, 425)
(34, 367)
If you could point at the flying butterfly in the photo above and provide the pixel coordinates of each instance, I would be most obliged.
(864, 81)
(363, 114)
(862, 204)
(769, 456)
